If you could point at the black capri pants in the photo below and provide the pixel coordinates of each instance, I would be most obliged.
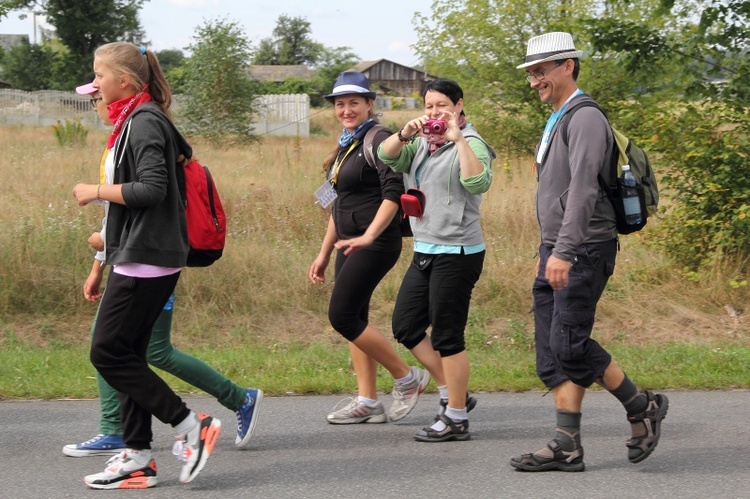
(436, 292)
(357, 276)
(564, 319)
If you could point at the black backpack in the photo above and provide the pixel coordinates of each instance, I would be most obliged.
(624, 152)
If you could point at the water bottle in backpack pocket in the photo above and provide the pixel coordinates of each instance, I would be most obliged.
(631, 199)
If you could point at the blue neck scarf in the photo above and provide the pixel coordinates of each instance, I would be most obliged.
(347, 137)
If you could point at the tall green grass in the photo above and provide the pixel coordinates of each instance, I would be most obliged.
(257, 301)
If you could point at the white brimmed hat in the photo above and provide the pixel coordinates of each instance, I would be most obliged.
(550, 47)
(351, 82)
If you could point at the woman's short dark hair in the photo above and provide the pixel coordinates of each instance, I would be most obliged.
(447, 87)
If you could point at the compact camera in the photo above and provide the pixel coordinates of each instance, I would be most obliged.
(434, 127)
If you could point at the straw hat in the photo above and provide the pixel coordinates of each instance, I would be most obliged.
(550, 47)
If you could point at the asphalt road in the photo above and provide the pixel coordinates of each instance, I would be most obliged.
(295, 453)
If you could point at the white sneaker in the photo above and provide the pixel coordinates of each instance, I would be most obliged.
(127, 470)
(358, 412)
(406, 395)
(195, 447)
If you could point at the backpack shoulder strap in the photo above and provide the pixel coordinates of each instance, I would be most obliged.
(568, 115)
(368, 143)
(608, 184)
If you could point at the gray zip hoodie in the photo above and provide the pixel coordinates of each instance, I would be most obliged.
(451, 214)
(571, 207)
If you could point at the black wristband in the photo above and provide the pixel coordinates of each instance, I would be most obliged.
(401, 138)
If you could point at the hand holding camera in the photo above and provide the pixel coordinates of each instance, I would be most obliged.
(424, 126)
(434, 127)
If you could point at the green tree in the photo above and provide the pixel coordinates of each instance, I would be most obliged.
(173, 64)
(702, 133)
(218, 96)
(331, 62)
(289, 45)
(28, 67)
(83, 25)
(170, 59)
(479, 43)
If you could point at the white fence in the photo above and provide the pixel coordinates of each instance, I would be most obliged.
(276, 114)
(283, 115)
(45, 108)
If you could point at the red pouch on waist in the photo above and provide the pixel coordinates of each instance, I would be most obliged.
(412, 203)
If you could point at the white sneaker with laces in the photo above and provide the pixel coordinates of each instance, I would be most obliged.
(406, 395)
(358, 412)
(195, 447)
(129, 469)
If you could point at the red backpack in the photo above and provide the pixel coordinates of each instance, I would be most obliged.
(206, 220)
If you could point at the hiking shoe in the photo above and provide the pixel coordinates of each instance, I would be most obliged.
(125, 470)
(195, 447)
(646, 427)
(100, 445)
(247, 417)
(471, 402)
(358, 412)
(550, 458)
(453, 430)
(406, 395)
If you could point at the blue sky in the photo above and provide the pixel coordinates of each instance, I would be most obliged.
(373, 29)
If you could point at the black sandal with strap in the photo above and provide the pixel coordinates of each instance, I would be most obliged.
(454, 430)
(561, 460)
(641, 446)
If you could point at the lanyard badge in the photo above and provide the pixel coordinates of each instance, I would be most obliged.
(326, 193)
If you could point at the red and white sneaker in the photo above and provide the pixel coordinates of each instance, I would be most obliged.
(129, 469)
(195, 447)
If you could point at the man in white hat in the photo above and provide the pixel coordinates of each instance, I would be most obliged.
(576, 257)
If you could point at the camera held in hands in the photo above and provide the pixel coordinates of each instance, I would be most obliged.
(434, 127)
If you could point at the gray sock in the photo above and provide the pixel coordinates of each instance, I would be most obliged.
(568, 431)
(630, 397)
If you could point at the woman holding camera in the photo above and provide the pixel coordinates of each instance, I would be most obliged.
(365, 231)
(445, 158)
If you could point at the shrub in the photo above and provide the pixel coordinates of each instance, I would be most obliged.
(70, 134)
(708, 181)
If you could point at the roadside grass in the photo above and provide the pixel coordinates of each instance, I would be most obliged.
(317, 368)
(255, 317)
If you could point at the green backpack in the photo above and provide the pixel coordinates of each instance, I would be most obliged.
(624, 152)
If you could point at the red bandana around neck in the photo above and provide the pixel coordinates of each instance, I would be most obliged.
(438, 140)
(120, 110)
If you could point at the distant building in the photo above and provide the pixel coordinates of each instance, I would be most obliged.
(278, 73)
(9, 41)
(393, 78)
